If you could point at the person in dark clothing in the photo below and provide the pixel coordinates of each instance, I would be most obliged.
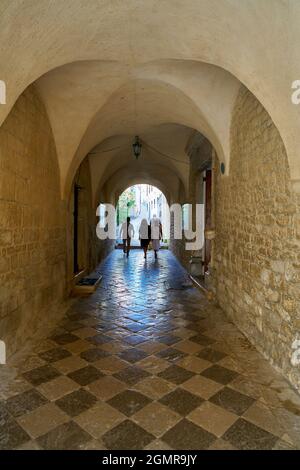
(145, 236)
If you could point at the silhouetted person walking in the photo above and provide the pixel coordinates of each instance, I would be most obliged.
(126, 233)
(156, 234)
(145, 236)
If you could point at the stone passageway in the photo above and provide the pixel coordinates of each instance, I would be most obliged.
(146, 363)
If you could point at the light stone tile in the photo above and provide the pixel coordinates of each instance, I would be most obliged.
(262, 416)
(213, 418)
(30, 363)
(154, 387)
(153, 364)
(90, 322)
(16, 387)
(194, 364)
(156, 418)
(70, 364)
(58, 388)
(244, 385)
(152, 347)
(110, 365)
(158, 445)
(201, 386)
(230, 363)
(114, 347)
(78, 346)
(184, 332)
(106, 387)
(42, 420)
(45, 345)
(99, 419)
(85, 332)
(189, 347)
(30, 445)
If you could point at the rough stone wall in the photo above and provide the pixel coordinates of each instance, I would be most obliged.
(257, 255)
(32, 223)
(91, 250)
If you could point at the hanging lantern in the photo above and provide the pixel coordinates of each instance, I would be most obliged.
(137, 147)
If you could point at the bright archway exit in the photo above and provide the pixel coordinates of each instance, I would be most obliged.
(142, 201)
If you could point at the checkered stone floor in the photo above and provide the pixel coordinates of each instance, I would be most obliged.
(147, 363)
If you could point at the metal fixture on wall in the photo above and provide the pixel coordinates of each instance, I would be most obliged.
(137, 147)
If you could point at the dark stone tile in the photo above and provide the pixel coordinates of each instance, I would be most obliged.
(133, 355)
(168, 339)
(232, 400)
(99, 339)
(55, 354)
(86, 375)
(104, 327)
(92, 355)
(4, 414)
(12, 435)
(211, 355)
(68, 436)
(76, 402)
(65, 338)
(25, 402)
(135, 316)
(181, 401)
(70, 325)
(127, 436)
(219, 374)
(78, 316)
(59, 330)
(202, 339)
(131, 375)
(176, 374)
(41, 374)
(129, 402)
(135, 327)
(187, 436)
(134, 339)
(248, 436)
(171, 354)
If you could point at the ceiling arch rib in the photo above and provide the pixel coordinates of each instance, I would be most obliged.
(136, 107)
(153, 162)
(157, 176)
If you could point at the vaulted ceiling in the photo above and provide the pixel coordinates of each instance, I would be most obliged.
(109, 70)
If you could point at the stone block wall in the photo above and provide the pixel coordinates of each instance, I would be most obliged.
(257, 246)
(91, 250)
(32, 223)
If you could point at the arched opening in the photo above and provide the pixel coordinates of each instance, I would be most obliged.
(142, 202)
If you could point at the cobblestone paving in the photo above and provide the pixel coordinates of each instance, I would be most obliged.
(147, 363)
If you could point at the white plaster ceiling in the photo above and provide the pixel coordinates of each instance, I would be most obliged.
(106, 68)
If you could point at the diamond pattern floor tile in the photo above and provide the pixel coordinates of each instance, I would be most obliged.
(143, 363)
